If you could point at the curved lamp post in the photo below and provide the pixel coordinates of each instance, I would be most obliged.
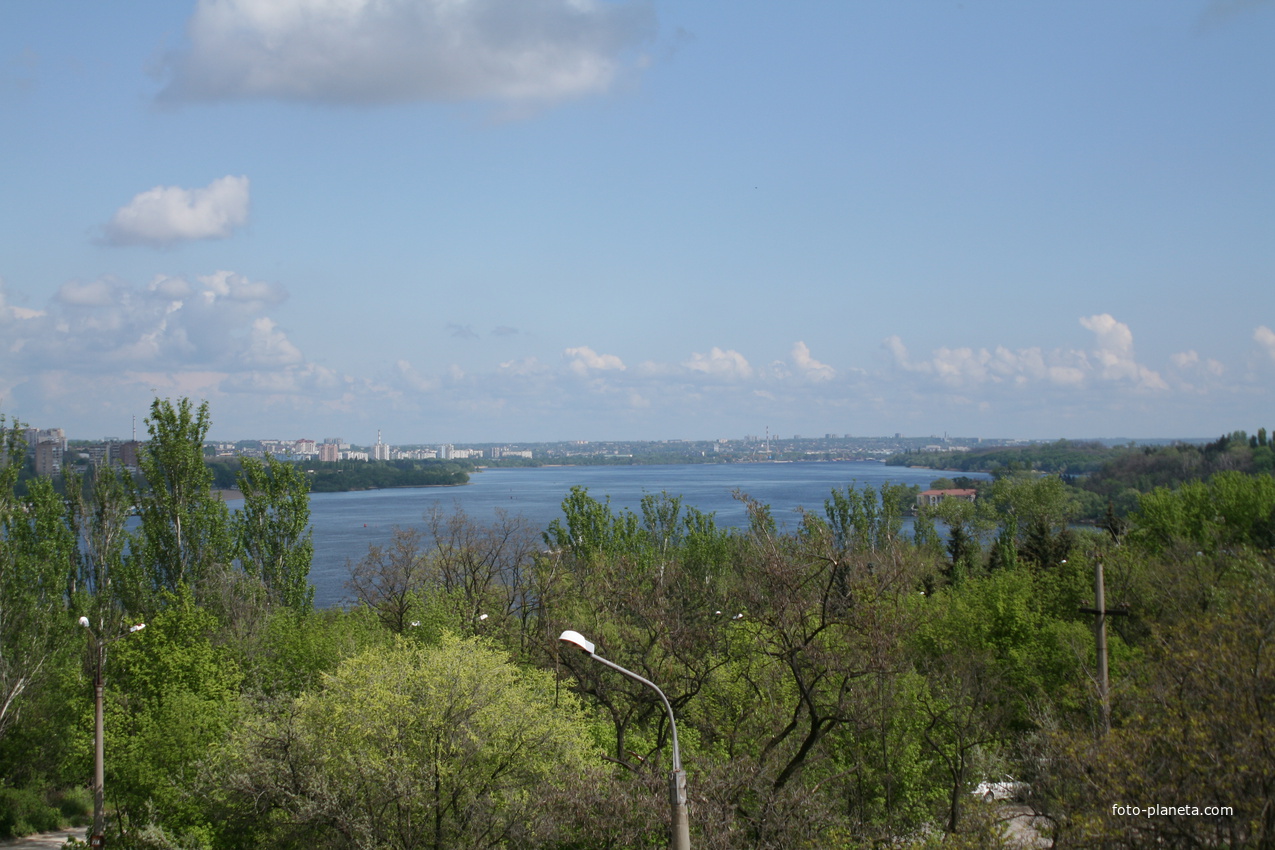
(677, 776)
(98, 837)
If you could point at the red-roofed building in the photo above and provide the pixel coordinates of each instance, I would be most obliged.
(932, 497)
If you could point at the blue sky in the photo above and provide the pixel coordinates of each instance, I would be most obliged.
(524, 220)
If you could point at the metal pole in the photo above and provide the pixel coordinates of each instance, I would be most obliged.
(680, 823)
(98, 838)
(99, 763)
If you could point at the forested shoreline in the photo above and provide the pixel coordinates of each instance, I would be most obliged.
(1108, 480)
(349, 475)
(843, 684)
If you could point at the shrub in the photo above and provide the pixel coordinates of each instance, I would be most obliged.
(24, 811)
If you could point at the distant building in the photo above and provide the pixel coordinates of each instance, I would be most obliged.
(48, 457)
(330, 450)
(380, 451)
(128, 453)
(932, 497)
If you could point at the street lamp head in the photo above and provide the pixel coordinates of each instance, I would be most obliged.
(84, 621)
(577, 640)
(136, 628)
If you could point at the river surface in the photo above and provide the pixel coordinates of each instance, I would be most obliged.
(345, 524)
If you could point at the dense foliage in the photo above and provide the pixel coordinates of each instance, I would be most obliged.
(1107, 482)
(345, 475)
(338, 476)
(846, 684)
(1064, 457)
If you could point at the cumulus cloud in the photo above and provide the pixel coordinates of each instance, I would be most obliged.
(103, 348)
(364, 52)
(1265, 338)
(1114, 352)
(1191, 361)
(584, 360)
(722, 364)
(808, 366)
(166, 215)
(214, 321)
(1111, 359)
(268, 346)
(231, 286)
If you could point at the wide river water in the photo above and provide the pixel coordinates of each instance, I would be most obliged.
(345, 524)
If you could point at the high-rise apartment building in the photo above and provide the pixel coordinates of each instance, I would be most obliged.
(330, 449)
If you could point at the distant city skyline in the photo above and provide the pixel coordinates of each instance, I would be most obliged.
(492, 221)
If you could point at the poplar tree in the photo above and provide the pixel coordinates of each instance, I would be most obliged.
(274, 531)
(185, 530)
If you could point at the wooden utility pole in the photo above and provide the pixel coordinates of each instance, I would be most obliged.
(1100, 614)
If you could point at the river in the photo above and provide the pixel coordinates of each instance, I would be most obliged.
(346, 523)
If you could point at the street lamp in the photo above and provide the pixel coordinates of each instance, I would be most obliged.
(99, 756)
(677, 776)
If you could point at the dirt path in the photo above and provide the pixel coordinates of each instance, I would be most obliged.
(45, 840)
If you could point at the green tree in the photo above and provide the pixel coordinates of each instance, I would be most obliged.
(966, 524)
(102, 527)
(184, 532)
(1192, 724)
(1230, 510)
(37, 562)
(174, 699)
(273, 530)
(416, 747)
(1034, 512)
(864, 520)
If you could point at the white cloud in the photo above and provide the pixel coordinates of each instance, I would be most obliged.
(584, 360)
(811, 368)
(235, 287)
(1191, 361)
(1185, 359)
(722, 364)
(95, 293)
(300, 381)
(1115, 353)
(175, 288)
(215, 322)
(166, 215)
(382, 51)
(268, 346)
(414, 379)
(899, 353)
(1111, 360)
(1265, 337)
(522, 367)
